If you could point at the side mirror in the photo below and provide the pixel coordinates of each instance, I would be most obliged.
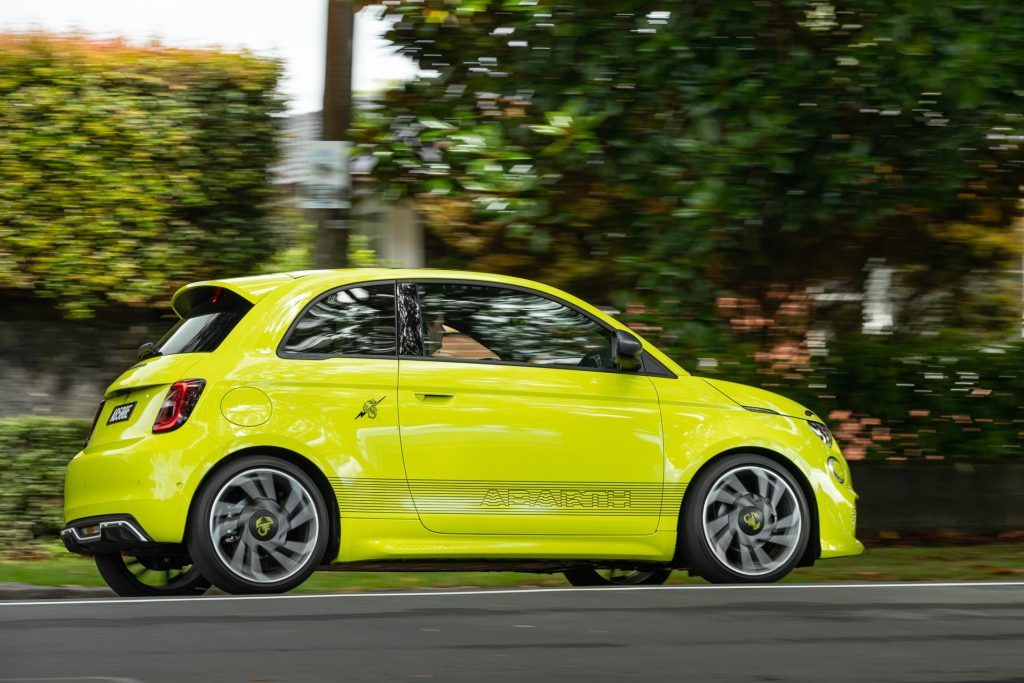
(626, 350)
(147, 350)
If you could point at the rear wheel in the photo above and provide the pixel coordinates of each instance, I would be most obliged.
(132, 576)
(592, 576)
(259, 525)
(745, 520)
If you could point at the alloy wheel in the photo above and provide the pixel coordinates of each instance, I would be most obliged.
(609, 576)
(624, 577)
(264, 526)
(131, 575)
(752, 520)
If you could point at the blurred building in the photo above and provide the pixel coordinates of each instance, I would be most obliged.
(393, 231)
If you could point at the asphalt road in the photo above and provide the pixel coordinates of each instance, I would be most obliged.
(876, 632)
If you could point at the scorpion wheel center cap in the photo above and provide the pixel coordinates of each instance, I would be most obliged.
(263, 525)
(751, 521)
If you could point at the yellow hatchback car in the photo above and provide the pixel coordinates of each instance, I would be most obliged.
(398, 419)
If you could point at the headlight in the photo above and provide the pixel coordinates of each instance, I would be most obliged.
(822, 431)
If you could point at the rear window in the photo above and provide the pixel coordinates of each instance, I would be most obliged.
(209, 319)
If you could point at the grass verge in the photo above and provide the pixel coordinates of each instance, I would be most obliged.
(56, 567)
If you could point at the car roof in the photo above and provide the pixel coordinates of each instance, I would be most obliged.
(255, 287)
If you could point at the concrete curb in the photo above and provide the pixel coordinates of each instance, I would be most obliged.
(28, 591)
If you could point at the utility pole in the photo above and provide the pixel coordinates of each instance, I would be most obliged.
(333, 224)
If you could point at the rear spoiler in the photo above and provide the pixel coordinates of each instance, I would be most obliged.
(251, 289)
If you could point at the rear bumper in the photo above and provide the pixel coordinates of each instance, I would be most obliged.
(104, 534)
(149, 482)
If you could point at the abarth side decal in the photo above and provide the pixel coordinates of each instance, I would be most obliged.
(440, 496)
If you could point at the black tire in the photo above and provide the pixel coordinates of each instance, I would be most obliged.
(258, 514)
(134, 577)
(591, 576)
(738, 558)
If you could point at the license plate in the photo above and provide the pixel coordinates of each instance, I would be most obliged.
(121, 413)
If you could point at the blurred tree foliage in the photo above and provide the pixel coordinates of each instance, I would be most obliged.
(896, 398)
(696, 149)
(126, 171)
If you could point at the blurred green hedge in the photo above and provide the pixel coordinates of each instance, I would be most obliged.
(34, 451)
(882, 398)
(128, 171)
(887, 397)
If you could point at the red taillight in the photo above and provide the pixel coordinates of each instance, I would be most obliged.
(95, 419)
(178, 404)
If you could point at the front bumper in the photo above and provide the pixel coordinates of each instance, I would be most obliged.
(837, 509)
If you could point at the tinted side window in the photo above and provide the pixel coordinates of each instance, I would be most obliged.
(481, 322)
(355, 321)
(210, 318)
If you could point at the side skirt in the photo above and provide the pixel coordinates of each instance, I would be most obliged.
(526, 566)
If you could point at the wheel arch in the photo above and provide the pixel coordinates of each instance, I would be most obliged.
(813, 550)
(306, 465)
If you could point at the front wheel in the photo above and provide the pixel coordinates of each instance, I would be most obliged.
(745, 520)
(592, 576)
(259, 525)
(132, 576)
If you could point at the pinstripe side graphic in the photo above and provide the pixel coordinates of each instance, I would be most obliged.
(368, 496)
(672, 501)
(442, 496)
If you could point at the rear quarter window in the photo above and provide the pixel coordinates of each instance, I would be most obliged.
(352, 321)
(211, 315)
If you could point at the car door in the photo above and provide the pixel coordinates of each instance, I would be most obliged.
(514, 420)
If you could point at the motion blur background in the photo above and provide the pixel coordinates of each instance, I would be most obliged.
(820, 198)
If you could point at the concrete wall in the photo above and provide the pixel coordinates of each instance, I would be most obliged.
(922, 497)
(50, 366)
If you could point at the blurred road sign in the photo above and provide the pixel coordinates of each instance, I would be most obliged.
(326, 175)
